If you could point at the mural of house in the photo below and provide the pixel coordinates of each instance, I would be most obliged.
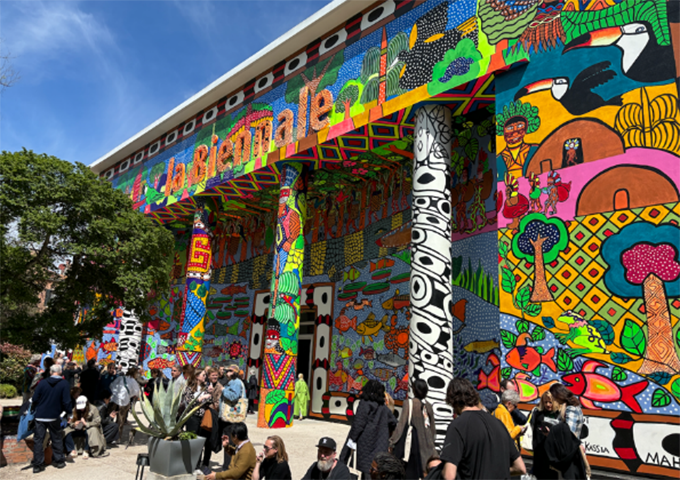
(429, 189)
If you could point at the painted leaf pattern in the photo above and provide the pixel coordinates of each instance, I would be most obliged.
(633, 338)
(508, 338)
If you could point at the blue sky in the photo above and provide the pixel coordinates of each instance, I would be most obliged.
(95, 73)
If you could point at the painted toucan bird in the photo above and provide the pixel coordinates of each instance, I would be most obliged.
(577, 98)
(643, 60)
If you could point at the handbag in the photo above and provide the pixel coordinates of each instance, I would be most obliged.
(207, 422)
(527, 440)
(354, 472)
(234, 412)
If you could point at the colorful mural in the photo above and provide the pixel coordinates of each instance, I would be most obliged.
(588, 229)
(564, 260)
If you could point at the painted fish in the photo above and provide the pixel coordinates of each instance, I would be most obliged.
(233, 290)
(343, 323)
(526, 358)
(481, 346)
(458, 309)
(381, 264)
(527, 390)
(110, 346)
(359, 305)
(345, 352)
(160, 363)
(233, 329)
(368, 353)
(383, 373)
(392, 360)
(370, 327)
(351, 275)
(397, 302)
(492, 380)
(593, 387)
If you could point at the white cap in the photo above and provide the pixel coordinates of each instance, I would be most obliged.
(81, 402)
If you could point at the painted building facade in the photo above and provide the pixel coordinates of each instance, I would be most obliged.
(486, 189)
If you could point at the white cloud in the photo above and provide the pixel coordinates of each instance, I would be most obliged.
(40, 29)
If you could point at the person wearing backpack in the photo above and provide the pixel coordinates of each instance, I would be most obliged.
(413, 439)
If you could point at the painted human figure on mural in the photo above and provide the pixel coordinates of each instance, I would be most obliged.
(535, 193)
(477, 208)
(516, 204)
(515, 122)
(461, 192)
(557, 192)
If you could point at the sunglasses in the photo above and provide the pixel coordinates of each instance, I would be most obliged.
(266, 448)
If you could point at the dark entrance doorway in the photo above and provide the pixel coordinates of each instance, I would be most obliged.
(305, 340)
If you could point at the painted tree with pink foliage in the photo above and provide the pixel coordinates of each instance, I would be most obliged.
(643, 262)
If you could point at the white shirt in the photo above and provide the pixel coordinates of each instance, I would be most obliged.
(120, 395)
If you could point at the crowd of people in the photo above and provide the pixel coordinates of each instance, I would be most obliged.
(483, 441)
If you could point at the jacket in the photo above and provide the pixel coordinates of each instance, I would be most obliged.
(426, 436)
(253, 388)
(242, 463)
(370, 431)
(51, 398)
(339, 472)
(95, 434)
(564, 452)
(502, 414)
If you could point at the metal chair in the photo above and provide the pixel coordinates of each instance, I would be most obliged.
(142, 461)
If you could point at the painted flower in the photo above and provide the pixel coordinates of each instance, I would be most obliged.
(349, 163)
(359, 171)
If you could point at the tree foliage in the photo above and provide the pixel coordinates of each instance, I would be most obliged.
(52, 211)
(534, 225)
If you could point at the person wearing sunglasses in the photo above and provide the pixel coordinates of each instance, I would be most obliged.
(272, 462)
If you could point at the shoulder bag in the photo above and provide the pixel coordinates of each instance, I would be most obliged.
(234, 412)
(527, 440)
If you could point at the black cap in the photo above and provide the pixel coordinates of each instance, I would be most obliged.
(327, 442)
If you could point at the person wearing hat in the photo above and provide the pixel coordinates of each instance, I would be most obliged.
(327, 465)
(86, 428)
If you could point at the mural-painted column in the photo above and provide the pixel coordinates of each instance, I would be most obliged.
(430, 345)
(197, 286)
(129, 340)
(280, 352)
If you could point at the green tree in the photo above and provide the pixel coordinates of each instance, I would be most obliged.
(52, 211)
(346, 98)
(539, 241)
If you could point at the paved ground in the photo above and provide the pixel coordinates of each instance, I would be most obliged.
(120, 464)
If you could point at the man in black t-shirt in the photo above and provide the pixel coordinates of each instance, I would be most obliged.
(327, 466)
(477, 445)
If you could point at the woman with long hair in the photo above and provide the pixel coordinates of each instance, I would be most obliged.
(85, 426)
(422, 436)
(196, 391)
(541, 419)
(371, 428)
(272, 462)
(563, 445)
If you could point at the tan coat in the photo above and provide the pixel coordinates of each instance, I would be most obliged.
(95, 435)
(426, 436)
(242, 463)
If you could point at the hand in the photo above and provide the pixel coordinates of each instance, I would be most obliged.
(524, 428)
(210, 476)
(225, 440)
(260, 457)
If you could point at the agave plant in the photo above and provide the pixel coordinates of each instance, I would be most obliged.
(162, 415)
